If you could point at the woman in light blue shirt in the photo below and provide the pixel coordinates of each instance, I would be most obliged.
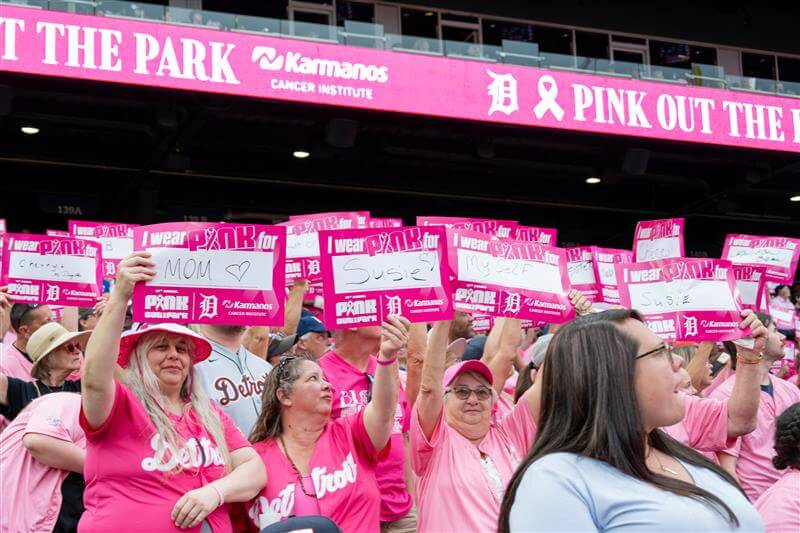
(599, 461)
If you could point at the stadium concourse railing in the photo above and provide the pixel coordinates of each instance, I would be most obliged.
(373, 36)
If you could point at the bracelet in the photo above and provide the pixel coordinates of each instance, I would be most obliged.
(219, 493)
(387, 362)
(751, 361)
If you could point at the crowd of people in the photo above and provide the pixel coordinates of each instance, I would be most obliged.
(596, 424)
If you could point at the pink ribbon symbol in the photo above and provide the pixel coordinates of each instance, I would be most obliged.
(548, 90)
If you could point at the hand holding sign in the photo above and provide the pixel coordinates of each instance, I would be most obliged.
(582, 305)
(137, 267)
(394, 335)
(757, 332)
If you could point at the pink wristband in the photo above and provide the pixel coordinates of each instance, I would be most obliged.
(387, 362)
(219, 493)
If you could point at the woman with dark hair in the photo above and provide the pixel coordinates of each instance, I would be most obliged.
(780, 504)
(318, 466)
(749, 459)
(599, 461)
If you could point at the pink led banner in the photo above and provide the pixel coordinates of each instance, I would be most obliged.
(51, 43)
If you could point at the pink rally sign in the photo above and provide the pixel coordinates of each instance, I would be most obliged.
(362, 217)
(684, 299)
(658, 239)
(302, 242)
(196, 59)
(115, 239)
(779, 254)
(57, 233)
(750, 280)
(369, 274)
(52, 270)
(501, 229)
(535, 234)
(2, 225)
(580, 265)
(385, 222)
(212, 273)
(783, 312)
(508, 278)
(605, 261)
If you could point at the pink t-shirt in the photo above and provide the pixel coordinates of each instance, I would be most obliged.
(32, 490)
(131, 484)
(755, 451)
(343, 478)
(780, 504)
(456, 489)
(793, 379)
(14, 364)
(350, 396)
(704, 426)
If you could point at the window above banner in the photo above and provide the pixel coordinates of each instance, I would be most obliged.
(360, 66)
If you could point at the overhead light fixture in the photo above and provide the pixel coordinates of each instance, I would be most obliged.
(29, 130)
(429, 13)
(301, 154)
(795, 198)
(592, 180)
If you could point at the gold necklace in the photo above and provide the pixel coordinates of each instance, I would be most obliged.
(664, 468)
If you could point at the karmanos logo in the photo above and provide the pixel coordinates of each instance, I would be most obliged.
(268, 58)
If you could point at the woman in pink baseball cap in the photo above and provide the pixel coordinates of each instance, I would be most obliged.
(462, 454)
(160, 455)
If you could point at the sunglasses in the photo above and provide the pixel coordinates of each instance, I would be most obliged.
(463, 392)
(285, 360)
(73, 347)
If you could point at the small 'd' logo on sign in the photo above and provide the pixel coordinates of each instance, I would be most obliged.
(267, 57)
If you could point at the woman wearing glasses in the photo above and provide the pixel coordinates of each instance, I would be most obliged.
(462, 456)
(599, 461)
(55, 353)
(319, 466)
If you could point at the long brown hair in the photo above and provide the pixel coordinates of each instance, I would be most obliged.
(282, 377)
(589, 408)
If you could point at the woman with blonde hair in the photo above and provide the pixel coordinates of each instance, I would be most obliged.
(160, 455)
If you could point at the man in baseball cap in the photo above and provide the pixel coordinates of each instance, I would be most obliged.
(312, 337)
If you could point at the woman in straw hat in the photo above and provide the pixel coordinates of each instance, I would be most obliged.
(56, 353)
(160, 455)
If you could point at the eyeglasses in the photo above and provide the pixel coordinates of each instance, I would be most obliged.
(663, 347)
(463, 392)
(73, 347)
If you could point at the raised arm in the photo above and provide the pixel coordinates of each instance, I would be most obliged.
(294, 307)
(696, 368)
(430, 400)
(417, 340)
(97, 381)
(256, 340)
(379, 412)
(501, 359)
(746, 393)
(5, 309)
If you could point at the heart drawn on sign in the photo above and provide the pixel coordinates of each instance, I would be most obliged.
(238, 271)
